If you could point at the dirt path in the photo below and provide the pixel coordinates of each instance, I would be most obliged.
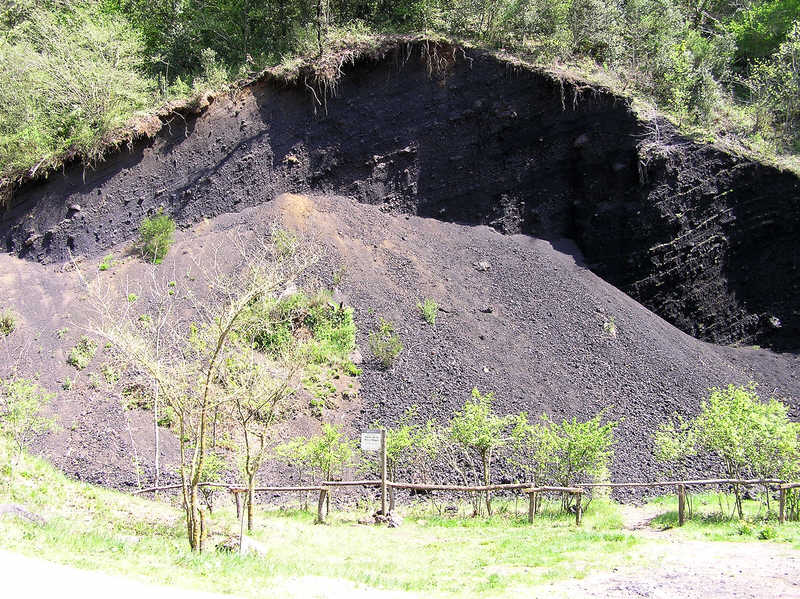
(676, 568)
(32, 577)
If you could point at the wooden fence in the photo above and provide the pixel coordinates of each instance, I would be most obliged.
(533, 492)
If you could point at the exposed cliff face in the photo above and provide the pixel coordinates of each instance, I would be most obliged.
(702, 238)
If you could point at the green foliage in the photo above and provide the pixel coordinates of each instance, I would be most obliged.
(82, 354)
(674, 442)
(68, 384)
(429, 309)
(582, 450)
(326, 454)
(406, 443)
(775, 86)
(762, 26)
(106, 263)
(21, 402)
(767, 533)
(8, 323)
(70, 74)
(533, 446)
(751, 438)
(111, 373)
(156, 237)
(476, 427)
(385, 344)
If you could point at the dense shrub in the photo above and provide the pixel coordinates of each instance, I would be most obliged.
(749, 437)
(315, 325)
(155, 237)
(69, 74)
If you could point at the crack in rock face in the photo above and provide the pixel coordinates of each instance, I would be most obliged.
(702, 238)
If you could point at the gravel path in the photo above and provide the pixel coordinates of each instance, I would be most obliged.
(682, 569)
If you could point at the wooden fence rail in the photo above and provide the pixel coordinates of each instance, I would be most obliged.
(532, 491)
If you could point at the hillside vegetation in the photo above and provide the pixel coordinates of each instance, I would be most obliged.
(74, 72)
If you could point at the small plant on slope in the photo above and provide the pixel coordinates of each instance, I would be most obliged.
(384, 343)
(83, 353)
(7, 323)
(429, 309)
(155, 237)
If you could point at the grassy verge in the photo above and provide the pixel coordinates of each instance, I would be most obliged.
(431, 554)
(95, 528)
(711, 520)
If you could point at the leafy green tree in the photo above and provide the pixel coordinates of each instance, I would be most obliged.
(21, 403)
(479, 432)
(775, 85)
(761, 27)
(261, 393)
(406, 444)
(582, 450)
(187, 358)
(325, 455)
(532, 446)
(749, 436)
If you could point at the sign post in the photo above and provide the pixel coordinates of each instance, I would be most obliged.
(376, 441)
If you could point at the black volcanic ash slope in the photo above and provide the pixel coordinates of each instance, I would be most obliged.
(704, 239)
(530, 328)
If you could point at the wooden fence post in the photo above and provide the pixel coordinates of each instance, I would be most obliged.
(578, 508)
(531, 507)
(782, 506)
(238, 500)
(323, 494)
(681, 504)
(241, 521)
(383, 472)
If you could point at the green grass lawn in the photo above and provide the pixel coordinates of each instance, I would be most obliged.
(711, 519)
(95, 528)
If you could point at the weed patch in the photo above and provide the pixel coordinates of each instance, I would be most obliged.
(83, 353)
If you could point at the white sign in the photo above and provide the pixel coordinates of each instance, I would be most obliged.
(371, 441)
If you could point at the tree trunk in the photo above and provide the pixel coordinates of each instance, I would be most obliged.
(250, 494)
(319, 25)
(193, 518)
(737, 493)
(156, 439)
(486, 476)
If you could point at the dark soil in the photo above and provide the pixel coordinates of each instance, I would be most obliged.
(530, 328)
(700, 237)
